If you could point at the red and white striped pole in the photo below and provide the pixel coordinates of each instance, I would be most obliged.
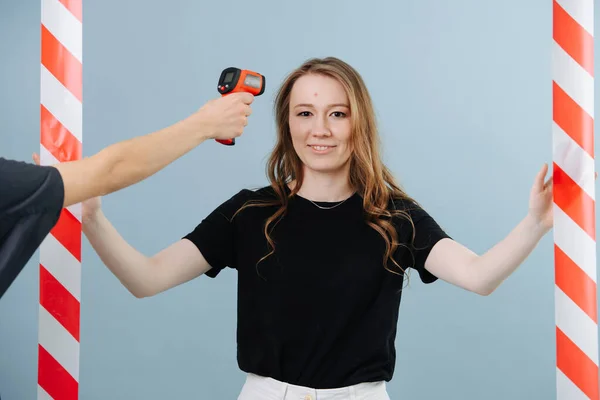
(60, 252)
(574, 200)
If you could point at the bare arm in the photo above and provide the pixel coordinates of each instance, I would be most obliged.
(456, 264)
(126, 163)
(143, 276)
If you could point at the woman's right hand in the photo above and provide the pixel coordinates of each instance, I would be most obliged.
(90, 208)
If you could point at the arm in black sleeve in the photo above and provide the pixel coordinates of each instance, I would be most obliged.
(215, 235)
(427, 233)
(31, 200)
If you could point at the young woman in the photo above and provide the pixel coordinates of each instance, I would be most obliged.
(321, 252)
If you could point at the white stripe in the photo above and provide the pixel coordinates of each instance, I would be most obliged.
(61, 103)
(62, 265)
(42, 394)
(46, 158)
(75, 209)
(567, 390)
(581, 11)
(572, 159)
(57, 341)
(573, 79)
(575, 242)
(576, 324)
(64, 26)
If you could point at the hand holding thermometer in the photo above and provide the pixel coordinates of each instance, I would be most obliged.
(239, 80)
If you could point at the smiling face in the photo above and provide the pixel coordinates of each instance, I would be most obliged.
(320, 124)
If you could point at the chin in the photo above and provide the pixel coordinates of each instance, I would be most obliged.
(325, 166)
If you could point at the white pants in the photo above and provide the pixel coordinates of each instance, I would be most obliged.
(261, 388)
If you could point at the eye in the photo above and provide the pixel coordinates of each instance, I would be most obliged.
(338, 114)
(304, 113)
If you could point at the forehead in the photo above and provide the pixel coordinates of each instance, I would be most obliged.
(318, 89)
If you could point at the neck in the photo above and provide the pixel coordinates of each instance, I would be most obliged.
(325, 187)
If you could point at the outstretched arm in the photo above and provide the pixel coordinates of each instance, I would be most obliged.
(482, 274)
(126, 163)
(143, 276)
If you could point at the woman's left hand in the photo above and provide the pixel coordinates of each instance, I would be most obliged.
(541, 201)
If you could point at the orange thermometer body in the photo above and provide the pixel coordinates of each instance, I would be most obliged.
(234, 80)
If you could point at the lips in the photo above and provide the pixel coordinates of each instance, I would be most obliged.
(320, 147)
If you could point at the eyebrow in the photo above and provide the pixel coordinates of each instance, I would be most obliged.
(328, 106)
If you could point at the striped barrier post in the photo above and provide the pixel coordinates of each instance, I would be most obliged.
(60, 252)
(574, 200)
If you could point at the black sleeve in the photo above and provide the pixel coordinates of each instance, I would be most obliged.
(427, 233)
(215, 235)
(31, 199)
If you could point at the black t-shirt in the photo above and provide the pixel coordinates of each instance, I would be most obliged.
(31, 199)
(322, 310)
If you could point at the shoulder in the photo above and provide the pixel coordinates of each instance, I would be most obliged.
(244, 197)
(14, 172)
(411, 215)
(413, 219)
(406, 207)
(217, 229)
(28, 188)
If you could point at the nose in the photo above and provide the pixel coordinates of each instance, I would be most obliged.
(321, 127)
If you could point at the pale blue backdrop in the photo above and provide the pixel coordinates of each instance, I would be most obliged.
(463, 93)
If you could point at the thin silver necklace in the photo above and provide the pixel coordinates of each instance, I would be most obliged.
(330, 207)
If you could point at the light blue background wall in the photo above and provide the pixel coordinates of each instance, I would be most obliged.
(463, 92)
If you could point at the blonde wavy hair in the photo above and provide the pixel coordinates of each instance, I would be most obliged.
(369, 177)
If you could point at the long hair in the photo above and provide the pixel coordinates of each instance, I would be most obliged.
(369, 177)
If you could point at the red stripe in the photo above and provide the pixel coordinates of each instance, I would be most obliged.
(68, 232)
(575, 283)
(54, 379)
(75, 7)
(573, 119)
(57, 139)
(576, 365)
(59, 302)
(61, 63)
(574, 201)
(573, 38)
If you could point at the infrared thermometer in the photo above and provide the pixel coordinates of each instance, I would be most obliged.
(234, 80)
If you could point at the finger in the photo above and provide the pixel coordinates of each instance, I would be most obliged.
(36, 158)
(248, 111)
(245, 97)
(539, 179)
